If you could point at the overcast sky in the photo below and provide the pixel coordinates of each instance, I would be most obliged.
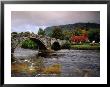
(22, 21)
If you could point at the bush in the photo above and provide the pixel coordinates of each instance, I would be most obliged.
(67, 45)
(29, 44)
(56, 46)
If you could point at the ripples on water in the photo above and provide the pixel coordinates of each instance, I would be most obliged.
(62, 63)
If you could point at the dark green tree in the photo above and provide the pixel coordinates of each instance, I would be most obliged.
(41, 32)
(94, 34)
(50, 35)
(57, 33)
(78, 31)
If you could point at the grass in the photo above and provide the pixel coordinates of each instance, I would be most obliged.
(86, 47)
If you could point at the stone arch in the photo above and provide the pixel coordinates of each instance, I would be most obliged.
(56, 46)
(40, 44)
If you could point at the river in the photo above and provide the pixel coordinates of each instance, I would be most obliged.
(62, 63)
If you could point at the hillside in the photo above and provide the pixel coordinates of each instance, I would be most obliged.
(71, 27)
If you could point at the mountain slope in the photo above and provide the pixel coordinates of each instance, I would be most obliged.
(71, 27)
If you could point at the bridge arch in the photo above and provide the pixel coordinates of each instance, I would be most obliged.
(56, 46)
(40, 43)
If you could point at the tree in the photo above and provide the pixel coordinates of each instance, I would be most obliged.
(67, 45)
(67, 34)
(80, 35)
(41, 32)
(78, 39)
(57, 33)
(78, 31)
(94, 34)
(50, 35)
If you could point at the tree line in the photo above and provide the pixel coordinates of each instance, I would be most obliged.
(58, 33)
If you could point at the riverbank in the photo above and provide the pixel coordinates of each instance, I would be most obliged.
(85, 47)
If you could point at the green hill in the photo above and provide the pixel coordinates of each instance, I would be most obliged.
(71, 27)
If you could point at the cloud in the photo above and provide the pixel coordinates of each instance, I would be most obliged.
(30, 20)
(27, 27)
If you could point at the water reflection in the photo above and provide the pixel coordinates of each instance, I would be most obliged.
(73, 63)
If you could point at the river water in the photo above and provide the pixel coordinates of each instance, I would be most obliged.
(62, 63)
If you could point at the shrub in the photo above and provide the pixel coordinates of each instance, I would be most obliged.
(29, 44)
(67, 45)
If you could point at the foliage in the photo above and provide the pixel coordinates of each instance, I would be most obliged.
(29, 44)
(67, 45)
(57, 33)
(77, 31)
(41, 32)
(80, 35)
(72, 27)
(56, 46)
(50, 35)
(67, 35)
(78, 39)
(94, 35)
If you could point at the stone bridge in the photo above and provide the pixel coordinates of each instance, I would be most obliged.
(46, 42)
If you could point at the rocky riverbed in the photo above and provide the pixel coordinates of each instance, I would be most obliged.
(62, 63)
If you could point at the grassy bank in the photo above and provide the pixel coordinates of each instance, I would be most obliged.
(86, 47)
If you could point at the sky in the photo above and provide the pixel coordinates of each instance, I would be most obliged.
(22, 21)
